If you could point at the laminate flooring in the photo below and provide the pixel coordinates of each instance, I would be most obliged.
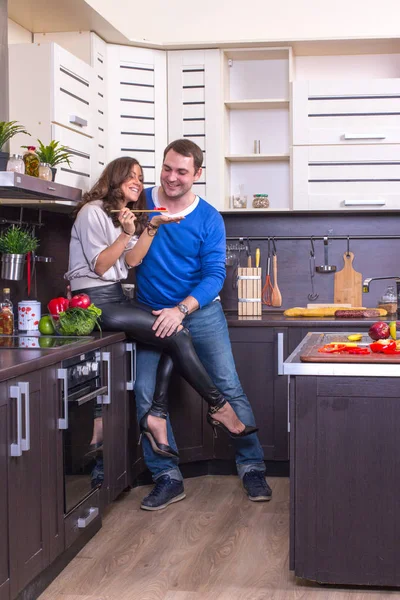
(214, 545)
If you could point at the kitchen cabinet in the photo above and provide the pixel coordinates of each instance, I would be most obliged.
(51, 93)
(31, 531)
(195, 112)
(257, 107)
(137, 107)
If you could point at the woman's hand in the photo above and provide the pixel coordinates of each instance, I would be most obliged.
(158, 220)
(127, 219)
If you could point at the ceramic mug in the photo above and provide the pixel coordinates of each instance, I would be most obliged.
(29, 313)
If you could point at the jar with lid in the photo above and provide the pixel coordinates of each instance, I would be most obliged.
(31, 161)
(260, 201)
(389, 300)
(16, 164)
(45, 171)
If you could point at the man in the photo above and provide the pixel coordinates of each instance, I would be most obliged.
(181, 277)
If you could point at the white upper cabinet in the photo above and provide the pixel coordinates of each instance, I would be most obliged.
(137, 107)
(346, 112)
(195, 112)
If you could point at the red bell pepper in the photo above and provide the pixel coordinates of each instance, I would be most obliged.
(57, 305)
(79, 301)
(387, 348)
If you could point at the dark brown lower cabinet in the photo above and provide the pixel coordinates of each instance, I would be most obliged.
(31, 527)
(345, 479)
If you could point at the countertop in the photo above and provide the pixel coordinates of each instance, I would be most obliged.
(293, 365)
(14, 363)
(278, 319)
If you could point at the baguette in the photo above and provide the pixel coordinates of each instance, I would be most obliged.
(328, 311)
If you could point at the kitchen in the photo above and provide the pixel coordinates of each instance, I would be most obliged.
(368, 230)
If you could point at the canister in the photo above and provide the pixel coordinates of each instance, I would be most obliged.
(29, 313)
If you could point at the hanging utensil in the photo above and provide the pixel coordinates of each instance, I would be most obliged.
(348, 282)
(313, 296)
(258, 255)
(326, 267)
(266, 294)
(248, 254)
(276, 298)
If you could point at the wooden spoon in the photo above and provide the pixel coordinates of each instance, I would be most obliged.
(276, 299)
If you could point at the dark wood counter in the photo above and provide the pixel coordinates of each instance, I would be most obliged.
(14, 363)
(278, 319)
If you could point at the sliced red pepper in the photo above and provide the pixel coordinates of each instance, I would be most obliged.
(334, 347)
(377, 347)
(389, 349)
(357, 350)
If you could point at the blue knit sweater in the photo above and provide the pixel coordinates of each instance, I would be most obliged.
(185, 259)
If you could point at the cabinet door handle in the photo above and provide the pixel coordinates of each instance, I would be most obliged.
(15, 393)
(364, 136)
(78, 121)
(131, 348)
(106, 398)
(84, 521)
(280, 352)
(26, 441)
(378, 202)
(63, 421)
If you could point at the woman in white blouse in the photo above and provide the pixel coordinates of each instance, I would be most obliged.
(104, 246)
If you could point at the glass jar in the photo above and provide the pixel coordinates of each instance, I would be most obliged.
(16, 164)
(389, 300)
(260, 201)
(45, 171)
(31, 161)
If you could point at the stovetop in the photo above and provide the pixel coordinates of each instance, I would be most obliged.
(40, 342)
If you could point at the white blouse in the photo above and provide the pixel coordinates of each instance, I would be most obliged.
(93, 232)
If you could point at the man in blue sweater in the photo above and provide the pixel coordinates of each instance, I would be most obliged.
(180, 278)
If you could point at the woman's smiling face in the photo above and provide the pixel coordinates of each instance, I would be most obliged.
(132, 187)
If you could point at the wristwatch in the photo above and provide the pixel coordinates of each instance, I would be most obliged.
(183, 308)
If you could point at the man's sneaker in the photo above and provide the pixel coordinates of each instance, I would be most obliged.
(165, 492)
(256, 486)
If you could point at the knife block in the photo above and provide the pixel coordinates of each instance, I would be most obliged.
(249, 291)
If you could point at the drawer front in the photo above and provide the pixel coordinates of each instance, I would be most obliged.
(359, 112)
(78, 175)
(73, 92)
(83, 517)
(340, 178)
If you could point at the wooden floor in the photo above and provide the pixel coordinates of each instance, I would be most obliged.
(214, 545)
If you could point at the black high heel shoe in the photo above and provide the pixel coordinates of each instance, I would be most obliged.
(248, 429)
(162, 449)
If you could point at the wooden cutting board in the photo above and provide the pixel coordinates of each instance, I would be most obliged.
(348, 283)
(310, 353)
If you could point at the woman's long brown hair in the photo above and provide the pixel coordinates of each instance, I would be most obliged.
(107, 188)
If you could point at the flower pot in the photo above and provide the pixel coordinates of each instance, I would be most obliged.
(12, 266)
(53, 173)
(4, 156)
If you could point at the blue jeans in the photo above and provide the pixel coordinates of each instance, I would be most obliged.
(210, 337)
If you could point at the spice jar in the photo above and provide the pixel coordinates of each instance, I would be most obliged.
(16, 164)
(260, 201)
(45, 171)
(31, 161)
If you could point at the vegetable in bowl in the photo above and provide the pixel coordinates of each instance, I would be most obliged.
(77, 321)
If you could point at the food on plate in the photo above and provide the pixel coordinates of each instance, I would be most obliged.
(379, 331)
(354, 337)
(355, 313)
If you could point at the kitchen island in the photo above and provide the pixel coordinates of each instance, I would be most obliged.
(345, 469)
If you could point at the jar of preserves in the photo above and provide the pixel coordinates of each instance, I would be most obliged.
(260, 201)
(16, 164)
(32, 162)
(45, 171)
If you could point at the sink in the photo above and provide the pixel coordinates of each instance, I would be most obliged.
(40, 342)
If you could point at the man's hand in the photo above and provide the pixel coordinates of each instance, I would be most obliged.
(167, 322)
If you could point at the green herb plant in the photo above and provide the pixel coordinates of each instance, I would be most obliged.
(78, 321)
(8, 129)
(16, 240)
(53, 154)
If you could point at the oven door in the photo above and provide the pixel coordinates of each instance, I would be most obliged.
(83, 456)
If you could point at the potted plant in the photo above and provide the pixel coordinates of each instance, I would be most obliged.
(8, 129)
(53, 154)
(15, 243)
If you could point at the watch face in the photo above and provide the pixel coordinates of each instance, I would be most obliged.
(184, 309)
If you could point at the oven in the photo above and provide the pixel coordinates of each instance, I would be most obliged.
(83, 393)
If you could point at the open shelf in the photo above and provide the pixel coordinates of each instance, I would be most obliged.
(256, 104)
(257, 157)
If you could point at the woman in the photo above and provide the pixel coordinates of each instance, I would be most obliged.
(107, 240)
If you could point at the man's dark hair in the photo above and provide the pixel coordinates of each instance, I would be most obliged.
(186, 148)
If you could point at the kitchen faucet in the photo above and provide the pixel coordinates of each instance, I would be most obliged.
(367, 281)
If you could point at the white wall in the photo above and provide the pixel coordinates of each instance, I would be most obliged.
(177, 21)
(18, 34)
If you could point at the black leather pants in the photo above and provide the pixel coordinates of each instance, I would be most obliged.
(121, 314)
